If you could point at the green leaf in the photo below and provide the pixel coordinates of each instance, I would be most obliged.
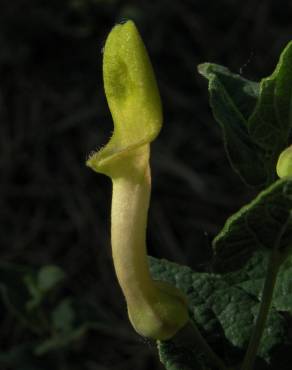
(63, 316)
(256, 121)
(225, 308)
(258, 225)
(232, 99)
(178, 358)
(38, 285)
(49, 276)
(270, 124)
(242, 92)
(36, 295)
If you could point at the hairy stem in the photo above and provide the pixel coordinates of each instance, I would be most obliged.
(271, 277)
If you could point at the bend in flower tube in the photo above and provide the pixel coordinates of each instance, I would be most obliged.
(156, 309)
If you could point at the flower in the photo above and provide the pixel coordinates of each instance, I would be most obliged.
(156, 309)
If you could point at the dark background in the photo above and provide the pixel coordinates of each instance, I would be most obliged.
(53, 113)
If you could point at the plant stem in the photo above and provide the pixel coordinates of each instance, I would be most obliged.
(271, 277)
(211, 355)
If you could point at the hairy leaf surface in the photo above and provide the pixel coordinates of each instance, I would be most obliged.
(256, 119)
(232, 99)
(225, 308)
(264, 223)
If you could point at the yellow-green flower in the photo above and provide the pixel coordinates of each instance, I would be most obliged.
(284, 165)
(157, 310)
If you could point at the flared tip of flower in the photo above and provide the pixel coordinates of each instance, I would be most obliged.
(132, 96)
(284, 164)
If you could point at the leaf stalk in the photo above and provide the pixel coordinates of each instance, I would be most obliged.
(274, 264)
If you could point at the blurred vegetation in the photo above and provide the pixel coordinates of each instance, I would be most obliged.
(60, 304)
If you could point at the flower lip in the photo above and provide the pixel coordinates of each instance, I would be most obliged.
(132, 96)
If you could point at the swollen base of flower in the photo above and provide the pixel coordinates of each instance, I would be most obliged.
(163, 315)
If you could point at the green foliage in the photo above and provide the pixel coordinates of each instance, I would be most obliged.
(38, 286)
(265, 223)
(233, 99)
(52, 323)
(255, 118)
(63, 316)
(235, 311)
(225, 308)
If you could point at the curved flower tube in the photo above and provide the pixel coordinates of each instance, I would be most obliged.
(156, 309)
